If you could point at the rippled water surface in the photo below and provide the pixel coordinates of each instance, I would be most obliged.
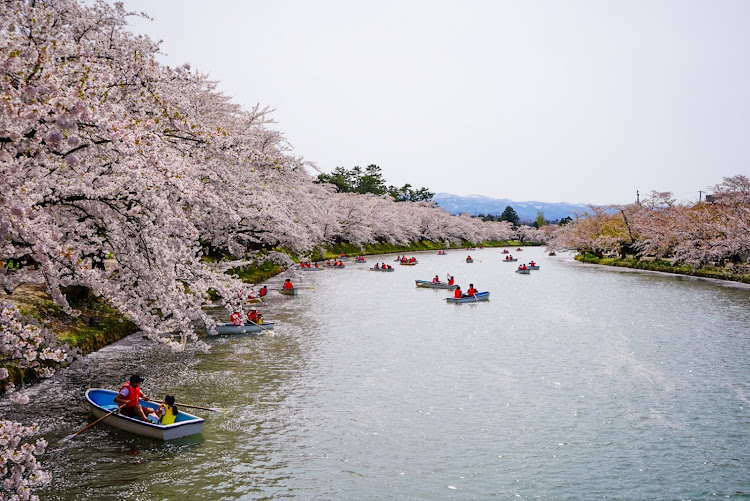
(574, 382)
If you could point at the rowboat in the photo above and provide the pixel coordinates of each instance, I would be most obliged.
(288, 292)
(254, 300)
(535, 267)
(224, 329)
(481, 296)
(414, 263)
(506, 260)
(552, 254)
(505, 251)
(469, 260)
(382, 269)
(442, 253)
(432, 285)
(312, 268)
(524, 272)
(102, 402)
(519, 250)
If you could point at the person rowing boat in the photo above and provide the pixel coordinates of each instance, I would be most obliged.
(129, 397)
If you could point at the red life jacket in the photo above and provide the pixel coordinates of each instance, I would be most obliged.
(450, 282)
(288, 285)
(457, 294)
(263, 292)
(134, 395)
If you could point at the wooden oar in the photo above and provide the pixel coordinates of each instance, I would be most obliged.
(267, 330)
(92, 424)
(212, 409)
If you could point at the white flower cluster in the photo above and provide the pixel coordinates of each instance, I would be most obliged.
(19, 470)
(27, 345)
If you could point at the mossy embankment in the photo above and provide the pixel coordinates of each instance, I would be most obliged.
(735, 272)
(96, 326)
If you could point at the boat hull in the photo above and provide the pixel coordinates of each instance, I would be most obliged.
(382, 269)
(101, 402)
(510, 260)
(535, 267)
(469, 260)
(288, 292)
(226, 329)
(524, 272)
(429, 285)
(481, 296)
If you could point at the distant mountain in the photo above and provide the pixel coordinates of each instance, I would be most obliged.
(478, 204)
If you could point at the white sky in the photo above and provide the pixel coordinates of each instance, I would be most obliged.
(575, 101)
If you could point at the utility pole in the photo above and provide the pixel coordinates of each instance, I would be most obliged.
(700, 195)
(637, 197)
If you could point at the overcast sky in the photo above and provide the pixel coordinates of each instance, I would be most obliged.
(575, 101)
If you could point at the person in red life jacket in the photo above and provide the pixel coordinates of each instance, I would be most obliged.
(468, 258)
(342, 255)
(532, 263)
(235, 318)
(472, 291)
(263, 291)
(316, 265)
(252, 316)
(377, 267)
(524, 266)
(450, 280)
(390, 267)
(436, 280)
(457, 293)
(288, 284)
(129, 397)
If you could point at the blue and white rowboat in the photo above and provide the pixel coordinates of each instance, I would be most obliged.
(481, 296)
(431, 285)
(223, 329)
(102, 402)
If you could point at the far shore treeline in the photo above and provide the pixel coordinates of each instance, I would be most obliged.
(138, 189)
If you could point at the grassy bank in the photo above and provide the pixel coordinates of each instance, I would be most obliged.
(97, 325)
(732, 272)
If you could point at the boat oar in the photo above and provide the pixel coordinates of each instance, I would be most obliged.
(212, 409)
(267, 330)
(92, 424)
